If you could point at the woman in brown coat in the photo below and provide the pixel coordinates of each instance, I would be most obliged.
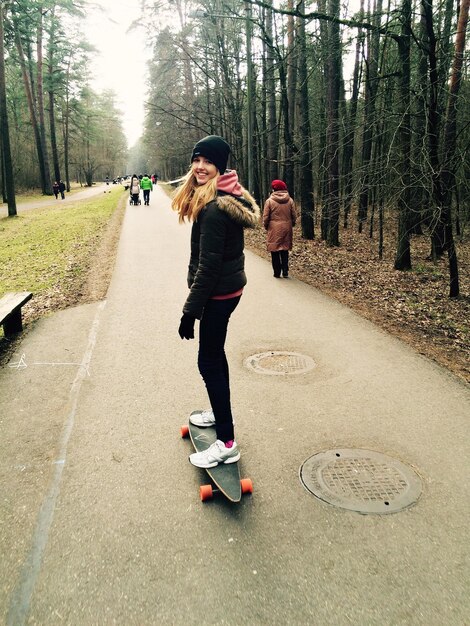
(279, 217)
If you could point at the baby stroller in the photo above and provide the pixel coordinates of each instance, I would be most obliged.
(135, 199)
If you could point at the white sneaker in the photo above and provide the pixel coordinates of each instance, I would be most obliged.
(215, 454)
(203, 419)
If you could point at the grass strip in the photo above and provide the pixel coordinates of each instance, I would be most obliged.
(46, 246)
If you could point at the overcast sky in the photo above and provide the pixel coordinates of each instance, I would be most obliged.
(120, 62)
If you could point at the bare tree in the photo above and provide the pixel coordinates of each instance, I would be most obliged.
(335, 74)
(403, 251)
(289, 117)
(305, 160)
(371, 89)
(444, 184)
(40, 98)
(7, 170)
(350, 125)
(272, 129)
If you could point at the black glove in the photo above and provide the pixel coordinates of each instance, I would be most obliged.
(186, 329)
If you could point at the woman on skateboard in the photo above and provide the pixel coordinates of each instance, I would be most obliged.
(219, 209)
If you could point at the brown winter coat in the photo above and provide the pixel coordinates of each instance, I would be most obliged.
(279, 217)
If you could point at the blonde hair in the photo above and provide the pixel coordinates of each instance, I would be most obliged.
(190, 198)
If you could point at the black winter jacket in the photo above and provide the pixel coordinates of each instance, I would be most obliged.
(217, 262)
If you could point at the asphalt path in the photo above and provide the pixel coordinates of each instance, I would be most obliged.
(100, 517)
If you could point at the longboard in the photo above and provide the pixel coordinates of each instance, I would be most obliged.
(225, 477)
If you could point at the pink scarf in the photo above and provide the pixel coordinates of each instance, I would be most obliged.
(228, 183)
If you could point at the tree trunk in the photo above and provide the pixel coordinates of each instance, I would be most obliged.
(263, 113)
(371, 89)
(348, 151)
(51, 93)
(306, 174)
(2, 172)
(252, 151)
(187, 63)
(66, 127)
(421, 172)
(324, 153)
(272, 130)
(450, 142)
(445, 57)
(31, 105)
(7, 172)
(40, 98)
(403, 252)
(433, 130)
(333, 94)
(291, 60)
(288, 140)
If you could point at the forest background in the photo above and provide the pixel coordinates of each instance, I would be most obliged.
(363, 109)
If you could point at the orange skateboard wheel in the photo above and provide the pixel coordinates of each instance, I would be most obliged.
(205, 491)
(184, 430)
(247, 485)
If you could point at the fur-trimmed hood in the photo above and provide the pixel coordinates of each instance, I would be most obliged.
(242, 209)
(281, 196)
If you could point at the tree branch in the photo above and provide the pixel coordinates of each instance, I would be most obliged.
(315, 15)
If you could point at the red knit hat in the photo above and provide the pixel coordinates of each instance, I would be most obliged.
(279, 185)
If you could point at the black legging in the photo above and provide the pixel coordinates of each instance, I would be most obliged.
(280, 262)
(213, 365)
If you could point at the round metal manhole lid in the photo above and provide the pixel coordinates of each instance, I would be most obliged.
(361, 480)
(280, 363)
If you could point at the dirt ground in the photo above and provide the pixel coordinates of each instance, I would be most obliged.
(410, 305)
(413, 306)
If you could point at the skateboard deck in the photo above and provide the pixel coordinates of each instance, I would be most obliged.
(225, 477)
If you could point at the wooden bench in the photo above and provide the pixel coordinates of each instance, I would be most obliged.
(10, 311)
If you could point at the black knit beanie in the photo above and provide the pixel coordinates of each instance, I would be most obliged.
(213, 148)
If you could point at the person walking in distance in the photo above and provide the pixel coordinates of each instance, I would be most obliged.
(279, 217)
(219, 209)
(146, 186)
(62, 189)
(55, 189)
(134, 189)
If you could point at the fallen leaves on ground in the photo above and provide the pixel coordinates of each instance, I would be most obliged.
(413, 305)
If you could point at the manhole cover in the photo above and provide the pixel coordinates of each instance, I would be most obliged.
(280, 363)
(361, 480)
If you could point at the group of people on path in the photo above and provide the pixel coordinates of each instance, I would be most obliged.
(212, 198)
(142, 182)
(59, 187)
